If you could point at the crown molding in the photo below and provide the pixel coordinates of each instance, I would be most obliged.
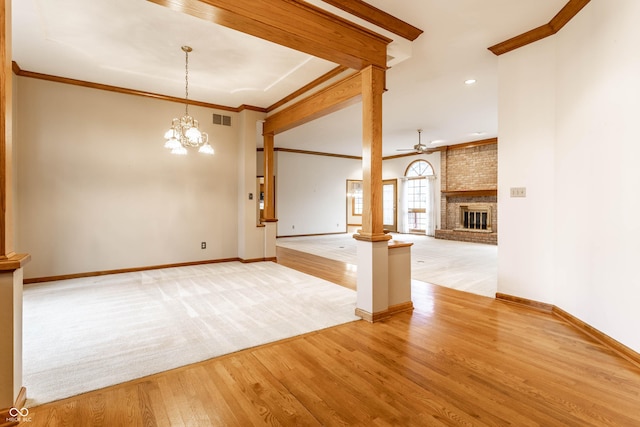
(565, 15)
(48, 77)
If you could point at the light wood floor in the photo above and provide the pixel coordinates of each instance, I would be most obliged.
(469, 267)
(458, 359)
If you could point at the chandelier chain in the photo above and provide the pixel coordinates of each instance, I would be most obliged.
(186, 81)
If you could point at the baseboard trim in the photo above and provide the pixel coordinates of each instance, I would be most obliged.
(400, 308)
(384, 314)
(313, 235)
(616, 346)
(249, 260)
(124, 270)
(537, 305)
(6, 416)
(612, 344)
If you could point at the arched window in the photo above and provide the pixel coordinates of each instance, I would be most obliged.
(419, 168)
(418, 192)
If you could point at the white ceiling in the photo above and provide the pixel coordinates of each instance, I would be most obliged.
(135, 44)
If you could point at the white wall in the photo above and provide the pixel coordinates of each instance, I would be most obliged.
(579, 95)
(311, 190)
(526, 159)
(311, 193)
(97, 190)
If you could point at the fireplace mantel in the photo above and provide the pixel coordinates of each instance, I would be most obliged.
(470, 193)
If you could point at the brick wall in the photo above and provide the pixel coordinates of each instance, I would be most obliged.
(474, 168)
(468, 167)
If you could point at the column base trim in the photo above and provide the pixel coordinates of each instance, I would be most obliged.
(372, 237)
(384, 314)
(5, 414)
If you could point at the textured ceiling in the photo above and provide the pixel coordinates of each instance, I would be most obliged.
(135, 44)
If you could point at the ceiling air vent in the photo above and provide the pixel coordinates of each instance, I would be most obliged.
(219, 119)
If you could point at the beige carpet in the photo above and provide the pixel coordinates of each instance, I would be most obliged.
(85, 334)
(469, 267)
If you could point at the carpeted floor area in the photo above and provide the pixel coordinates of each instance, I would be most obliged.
(85, 334)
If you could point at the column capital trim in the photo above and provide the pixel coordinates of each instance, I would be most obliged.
(14, 262)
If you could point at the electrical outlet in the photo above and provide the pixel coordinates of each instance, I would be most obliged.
(203, 245)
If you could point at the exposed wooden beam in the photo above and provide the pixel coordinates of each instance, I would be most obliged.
(317, 153)
(294, 24)
(377, 17)
(304, 89)
(269, 179)
(565, 15)
(339, 95)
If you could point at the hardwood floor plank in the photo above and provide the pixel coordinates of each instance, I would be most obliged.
(328, 269)
(152, 413)
(210, 397)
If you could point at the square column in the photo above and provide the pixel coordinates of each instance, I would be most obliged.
(373, 280)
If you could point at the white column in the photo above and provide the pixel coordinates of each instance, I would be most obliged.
(373, 280)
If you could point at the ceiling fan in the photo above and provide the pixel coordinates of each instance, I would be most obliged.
(418, 148)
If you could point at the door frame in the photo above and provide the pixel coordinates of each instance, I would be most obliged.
(391, 227)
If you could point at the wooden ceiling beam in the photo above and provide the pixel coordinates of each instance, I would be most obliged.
(294, 24)
(306, 88)
(377, 17)
(339, 95)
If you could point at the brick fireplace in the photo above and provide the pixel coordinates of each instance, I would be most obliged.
(469, 201)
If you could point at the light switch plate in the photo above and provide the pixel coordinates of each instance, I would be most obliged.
(518, 191)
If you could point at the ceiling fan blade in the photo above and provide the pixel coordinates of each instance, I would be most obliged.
(405, 149)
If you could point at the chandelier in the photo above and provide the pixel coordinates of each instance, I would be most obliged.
(184, 132)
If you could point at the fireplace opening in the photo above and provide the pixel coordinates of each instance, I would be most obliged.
(475, 218)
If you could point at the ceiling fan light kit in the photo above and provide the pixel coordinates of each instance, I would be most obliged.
(419, 148)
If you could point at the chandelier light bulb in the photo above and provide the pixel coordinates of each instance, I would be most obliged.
(172, 143)
(193, 134)
(179, 150)
(206, 149)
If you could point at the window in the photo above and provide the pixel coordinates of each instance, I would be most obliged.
(419, 168)
(418, 195)
(354, 192)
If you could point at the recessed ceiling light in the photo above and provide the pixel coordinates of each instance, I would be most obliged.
(437, 141)
(469, 81)
(478, 133)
